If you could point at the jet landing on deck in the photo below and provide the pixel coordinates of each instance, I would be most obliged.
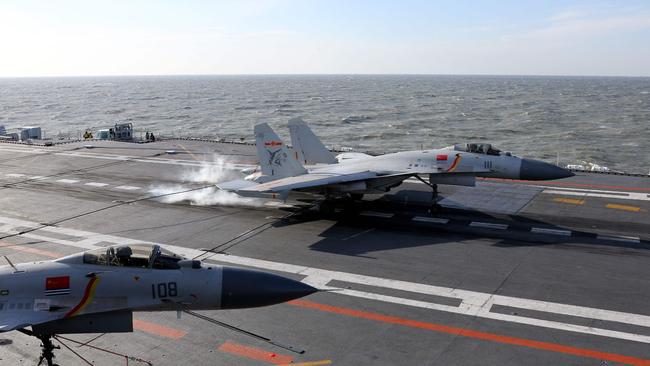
(355, 174)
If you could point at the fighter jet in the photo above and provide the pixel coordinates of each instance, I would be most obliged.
(354, 174)
(97, 291)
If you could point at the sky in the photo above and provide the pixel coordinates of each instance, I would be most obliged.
(140, 37)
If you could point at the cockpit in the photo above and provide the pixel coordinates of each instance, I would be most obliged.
(483, 149)
(136, 255)
(479, 148)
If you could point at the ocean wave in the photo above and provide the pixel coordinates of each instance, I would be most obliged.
(115, 111)
(355, 118)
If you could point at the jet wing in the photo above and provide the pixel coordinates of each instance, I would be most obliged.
(304, 181)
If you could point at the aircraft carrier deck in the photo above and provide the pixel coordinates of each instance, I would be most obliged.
(509, 273)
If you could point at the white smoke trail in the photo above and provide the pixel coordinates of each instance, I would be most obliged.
(219, 170)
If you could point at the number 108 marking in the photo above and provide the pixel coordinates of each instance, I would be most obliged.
(163, 290)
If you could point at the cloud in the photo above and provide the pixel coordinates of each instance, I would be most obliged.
(571, 25)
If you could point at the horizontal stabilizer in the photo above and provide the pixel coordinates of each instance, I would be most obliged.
(235, 185)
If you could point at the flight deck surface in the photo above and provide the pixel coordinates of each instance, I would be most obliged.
(509, 273)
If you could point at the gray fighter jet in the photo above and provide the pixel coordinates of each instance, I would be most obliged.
(355, 174)
(97, 291)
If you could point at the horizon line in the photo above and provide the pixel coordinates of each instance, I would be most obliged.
(322, 74)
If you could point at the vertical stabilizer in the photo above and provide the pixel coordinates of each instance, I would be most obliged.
(307, 147)
(275, 160)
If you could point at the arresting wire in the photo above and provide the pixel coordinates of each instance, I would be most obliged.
(121, 203)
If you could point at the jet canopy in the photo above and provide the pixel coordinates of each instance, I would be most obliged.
(137, 255)
(486, 149)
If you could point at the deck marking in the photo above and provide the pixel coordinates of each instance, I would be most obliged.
(542, 230)
(15, 175)
(469, 333)
(96, 184)
(629, 239)
(30, 250)
(434, 220)
(255, 353)
(358, 234)
(159, 330)
(598, 194)
(189, 152)
(488, 225)
(476, 304)
(615, 206)
(567, 184)
(37, 177)
(127, 188)
(377, 214)
(67, 181)
(572, 201)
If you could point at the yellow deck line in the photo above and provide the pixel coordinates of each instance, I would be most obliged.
(572, 201)
(623, 207)
(189, 152)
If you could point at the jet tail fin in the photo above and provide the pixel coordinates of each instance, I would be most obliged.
(306, 145)
(275, 160)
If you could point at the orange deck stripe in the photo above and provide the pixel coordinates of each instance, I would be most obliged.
(255, 353)
(552, 347)
(159, 330)
(25, 249)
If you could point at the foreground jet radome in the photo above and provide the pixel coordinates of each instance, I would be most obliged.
(97, 291)
(355, 174)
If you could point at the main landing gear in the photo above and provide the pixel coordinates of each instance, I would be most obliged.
(435, 207)
(47, 347)
(47, 350)
(328, 205)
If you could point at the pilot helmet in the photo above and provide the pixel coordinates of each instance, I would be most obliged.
(124, 251)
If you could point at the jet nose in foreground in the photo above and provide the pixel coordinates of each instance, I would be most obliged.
(538, 170)
(245, 288)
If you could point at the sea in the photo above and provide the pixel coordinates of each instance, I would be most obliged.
(567, 120)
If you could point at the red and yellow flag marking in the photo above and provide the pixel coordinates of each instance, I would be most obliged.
(89, 293)
(454, 164)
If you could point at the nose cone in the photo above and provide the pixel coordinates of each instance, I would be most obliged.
(538, 170)
(245, 288)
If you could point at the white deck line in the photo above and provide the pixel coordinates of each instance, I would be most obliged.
(377, 214)
(96, 184)
(127, 188)
(628, 196)
(434, 220)
(473, 303)
(489, 225)
(627, 239)
(541, 230)
(15, 175)
(68, 181)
